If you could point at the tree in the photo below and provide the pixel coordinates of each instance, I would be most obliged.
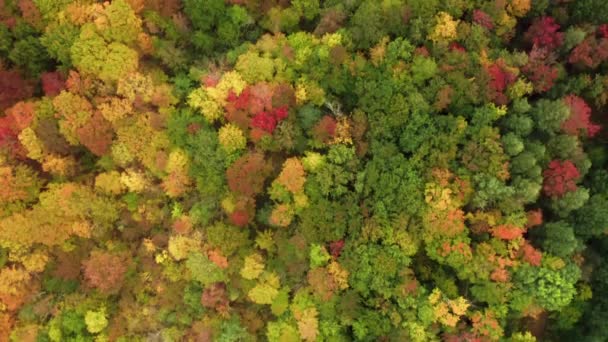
(13, 88)
(579, 120)
(543, 33)
(91, 54)
(105, 271)
(96, 134)
(559, 178)
(247, 175)
(559, 239)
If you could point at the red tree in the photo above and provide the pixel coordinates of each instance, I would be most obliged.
(52, 83)
(579, 120)
(544, 33)
(246, 176)
(603, 30)
(483, 19)
(105, 271)
(13, 88)
(500, 79)
(325, 129)
(96, 134)
(559, 178)
(590, 53)
(539, 70)
(215, 297)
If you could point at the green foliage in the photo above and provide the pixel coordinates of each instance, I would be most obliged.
(559, 239)
(90, 54)
(29, 54)
(203, 270)
(551, 288)
(303, 170)
(96, 321)
(58, 39)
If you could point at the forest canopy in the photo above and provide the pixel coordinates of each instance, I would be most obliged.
(303, 170)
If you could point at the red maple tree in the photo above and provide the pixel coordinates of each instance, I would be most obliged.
(544, 33)
(246, 176)
(579, 120)
(559, 178)
(13, 88)
(52, 83)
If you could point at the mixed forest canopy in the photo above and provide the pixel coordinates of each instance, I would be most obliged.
(303, 170)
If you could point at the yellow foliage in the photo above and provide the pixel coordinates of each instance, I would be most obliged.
(232, 138)
(115, 109)
(519, 8)
(282, 215)
(135, 85)
(12, 279)
(339, 274)
(180, 246)
(446, 28)
(505, 23)
(308, 324)
(312, 91)
(121, 153)
(134, 180)
(301, 95)
(211, 100)
(292, 176)
(300, 200)
(231, 80)
(109, 183)
(60, 166)
(30, 141)
(229, 204)
(342, 134)
(74, 111)
(178, 161)
(266, 290)
(447, 311)
(82, 229)
(35, 262)
(378, 52)
(252, 267)
(200, 99)
(332, 39)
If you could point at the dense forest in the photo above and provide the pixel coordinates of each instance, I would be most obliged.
(303, 170)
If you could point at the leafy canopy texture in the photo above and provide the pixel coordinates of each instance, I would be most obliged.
(304, 170)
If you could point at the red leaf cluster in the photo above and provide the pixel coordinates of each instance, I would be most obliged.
(483, 19)
(500, 79)
(544, 33)
(579, 120)
(535, 218)
(559, 178)
(539, 70)
(590, 53)
(507, 232)
(531, 255)
(243, 212)
(454, 46)
(13, 88)
(603, 30)
(335, 248)
(246, 176)
(325, 129)
(96, 134)
(254, 107)
(216, 297)
(52, 83)
(105, 271)
(17, 118)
